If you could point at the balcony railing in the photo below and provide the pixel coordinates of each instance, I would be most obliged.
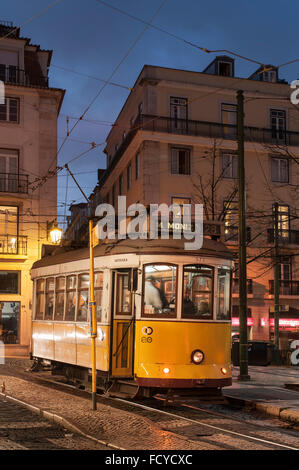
(285, 237)
(285, 287)
(235, 286)
(215, 130)
(13, 183)
(231, 233)
(14, 75)
(13, 244)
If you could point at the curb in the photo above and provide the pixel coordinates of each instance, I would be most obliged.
(284, 413)
(54, 418)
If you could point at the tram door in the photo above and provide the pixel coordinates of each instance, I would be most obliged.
(122, 327)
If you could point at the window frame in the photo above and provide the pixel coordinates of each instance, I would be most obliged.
(279, 159)
(8, 99)
(212, 294)
(232, 167)
(162, 316)
(178, 149)
(12, 271)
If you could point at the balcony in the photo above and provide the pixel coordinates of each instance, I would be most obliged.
(215, 130)
(11, 74)
(235, 286)
(285, 287)
(13, 244)
(285, 237)
(13, 183)
(231, 233)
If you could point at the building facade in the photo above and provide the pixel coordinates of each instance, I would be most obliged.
(175, 141)
(28, 149)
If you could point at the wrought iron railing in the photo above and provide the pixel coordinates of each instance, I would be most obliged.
(13, 183)
(285, 287)
(13, 244)
(285, 237)
(14, 75)
(215, 130)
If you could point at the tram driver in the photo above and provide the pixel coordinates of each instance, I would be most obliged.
(152, 294)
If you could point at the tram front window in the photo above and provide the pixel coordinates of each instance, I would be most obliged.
(160, 290)
(223, 294)
(197, 295)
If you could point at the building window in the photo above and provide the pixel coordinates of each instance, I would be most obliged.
(9, 322)
(9, 111)
(229, 165)
(180, 161)
(279, 170)
(285, 268)
(9, 229)
(129, 176)
(225, 69)
(283, 220)
(231, 221)
(120, 185)
(178, 114)
(181, 201)
(278, 124)
(9, 282)
(137, 166)
(9, 169)
(229, 119)
(140, 108)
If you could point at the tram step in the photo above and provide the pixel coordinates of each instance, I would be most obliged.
(123, 389)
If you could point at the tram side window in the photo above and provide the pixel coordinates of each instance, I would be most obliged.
(223, 294)
(98, 289)
(83, 297)
(71, 298)
(160, 290)
(197, 295)
(49, 298)
(40, 299)
(59, 301)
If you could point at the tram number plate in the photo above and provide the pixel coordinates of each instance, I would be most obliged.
(146, 339)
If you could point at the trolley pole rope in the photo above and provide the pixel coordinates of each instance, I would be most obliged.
(91, 303)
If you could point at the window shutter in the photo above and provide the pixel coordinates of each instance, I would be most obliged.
(174, 161)
(13, 110)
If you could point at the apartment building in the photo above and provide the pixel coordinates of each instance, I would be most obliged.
(174, 141)
(28, 148)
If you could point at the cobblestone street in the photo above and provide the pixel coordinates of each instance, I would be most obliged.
(22, 430)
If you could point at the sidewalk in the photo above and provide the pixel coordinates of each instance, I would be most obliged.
(266, 391)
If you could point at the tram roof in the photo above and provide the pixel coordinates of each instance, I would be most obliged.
(139, 247)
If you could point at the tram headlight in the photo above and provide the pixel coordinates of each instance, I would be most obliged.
(197, 356)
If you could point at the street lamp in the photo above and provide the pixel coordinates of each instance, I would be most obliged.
(54, 232)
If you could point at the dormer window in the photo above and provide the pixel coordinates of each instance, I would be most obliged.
(270, 76)
(225, 69)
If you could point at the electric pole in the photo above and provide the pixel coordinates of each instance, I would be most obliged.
(243, 352)
(276, 285)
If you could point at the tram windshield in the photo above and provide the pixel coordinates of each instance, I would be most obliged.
(197, 295)
(160, 290)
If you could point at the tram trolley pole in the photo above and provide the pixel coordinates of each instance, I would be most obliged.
(91, 303)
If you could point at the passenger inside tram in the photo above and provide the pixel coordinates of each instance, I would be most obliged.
(160, 289)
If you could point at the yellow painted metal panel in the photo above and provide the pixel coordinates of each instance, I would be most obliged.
(65, 342)
(170, 344)
(83, 342)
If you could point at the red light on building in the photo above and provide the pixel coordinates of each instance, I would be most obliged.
(236, 321)
(283, 322)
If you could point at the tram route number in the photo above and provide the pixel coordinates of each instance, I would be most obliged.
(147, 330)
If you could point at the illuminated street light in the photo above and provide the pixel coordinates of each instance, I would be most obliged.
(56, 235)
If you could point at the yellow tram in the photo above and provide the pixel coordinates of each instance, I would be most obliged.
(163, 316)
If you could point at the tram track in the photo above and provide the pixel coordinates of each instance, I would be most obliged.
(184, 415)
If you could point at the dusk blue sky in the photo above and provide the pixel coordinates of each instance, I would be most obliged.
(89, 37)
